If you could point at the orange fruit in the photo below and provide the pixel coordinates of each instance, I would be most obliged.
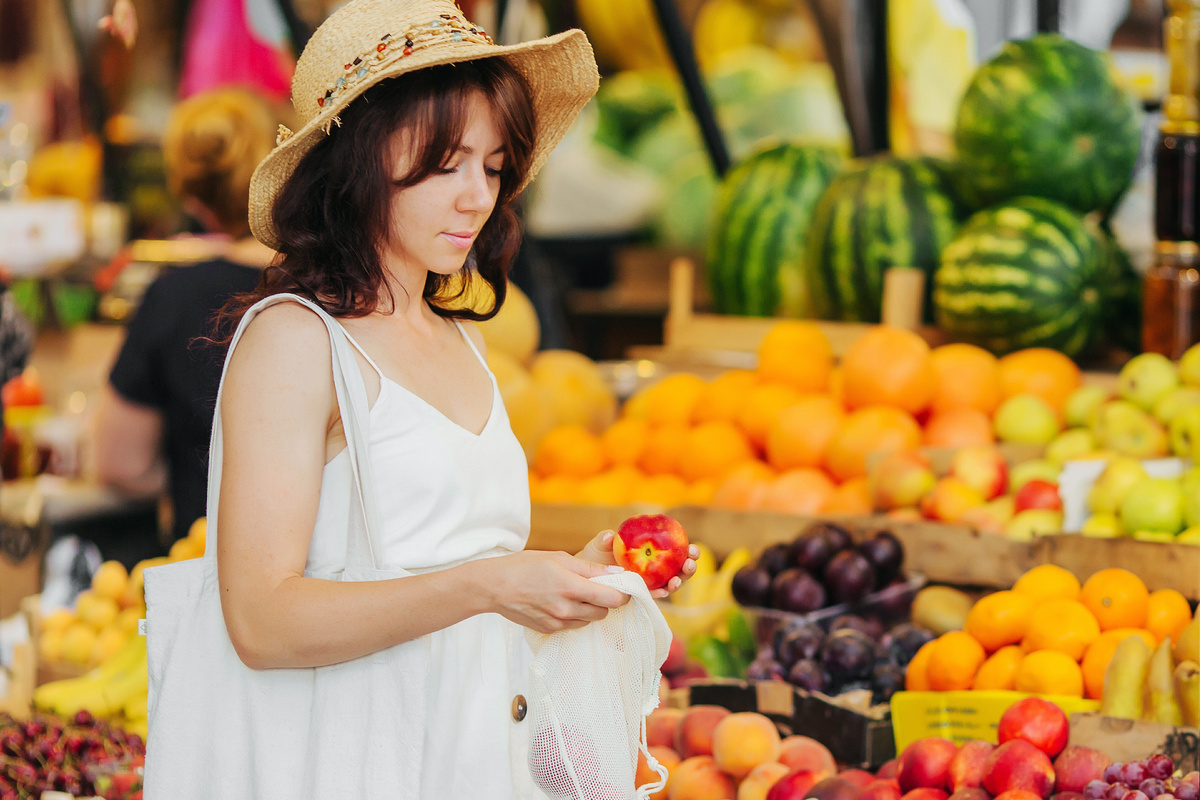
(701, 492)
(711, 449)
(865, 431)
(999, 672)
(1100, 652)
(744, 487)
(1063, 625)
(1167, 614)
(723, 396)
(888, 367)
(853, 498)
(837, 386)
(625, 440)
(610, 488)
(1000, 619)
(635, 407)
(1049, 672)
(802, 432)
(661, 490)
(916, 677)
(663, 448)
(569, 450)
(1117, 598)
(671, 400)
(964, 376)
(762, 408)
(959, 427)
(955, 659)
(797, 354)
(555, 489)
(803, 491)
(1048, 582)
(1041, 371)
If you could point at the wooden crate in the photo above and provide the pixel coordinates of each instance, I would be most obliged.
(22, 680)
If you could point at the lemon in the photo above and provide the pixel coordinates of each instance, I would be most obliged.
(107, 643)
(58, 620)
(78, 641)
(127, 619)
(109, 581)
(186, 548)
(97, 611)
(199, 531)
(50, 645)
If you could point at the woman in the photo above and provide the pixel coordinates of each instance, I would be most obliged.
(155, 417)
(420, 134)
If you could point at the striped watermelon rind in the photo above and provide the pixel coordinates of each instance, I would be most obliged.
(1022, 274)
(756, 245)
(882, 212)
(1046, 118)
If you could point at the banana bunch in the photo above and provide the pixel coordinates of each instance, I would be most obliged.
(114, 690)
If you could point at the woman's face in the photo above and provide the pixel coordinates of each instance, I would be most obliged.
(434, 223)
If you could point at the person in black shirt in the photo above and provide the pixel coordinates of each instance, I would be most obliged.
(155, 419)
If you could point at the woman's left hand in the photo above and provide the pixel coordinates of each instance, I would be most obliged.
(600, 551)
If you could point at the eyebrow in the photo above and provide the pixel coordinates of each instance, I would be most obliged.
(470, 151)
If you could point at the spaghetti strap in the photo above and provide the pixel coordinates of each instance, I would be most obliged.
(361, 352)
(471, 344)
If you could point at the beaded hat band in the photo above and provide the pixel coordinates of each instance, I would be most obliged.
(367, 41)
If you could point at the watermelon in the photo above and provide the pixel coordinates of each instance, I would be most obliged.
(882, 212)
(760, 223)
(1023, 274)
(1045, 118)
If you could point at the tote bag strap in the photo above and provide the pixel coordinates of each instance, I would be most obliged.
(362, 547)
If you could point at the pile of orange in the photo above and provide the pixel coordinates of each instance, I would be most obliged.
(796, 434)
(1048, 634)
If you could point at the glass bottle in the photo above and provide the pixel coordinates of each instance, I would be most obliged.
(1171, 315)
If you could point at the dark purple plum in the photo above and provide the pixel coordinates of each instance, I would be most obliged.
(902, 643)
(808, 675)
(752, 586)
(811, 551)
(1160, 766)
(848, 655)
(797, 643)
(894, 600)
(796, 591)
(839, 538)
(851, 621)
(886, 554)
(886, 680)
(774, 559)
(849, 577)
(765, 669)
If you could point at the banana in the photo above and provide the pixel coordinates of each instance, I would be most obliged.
(135, 707)
(95, 689)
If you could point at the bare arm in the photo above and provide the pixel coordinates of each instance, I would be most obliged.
(277, 407)
(128, 440)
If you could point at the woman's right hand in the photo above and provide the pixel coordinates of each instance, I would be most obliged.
(547, 592)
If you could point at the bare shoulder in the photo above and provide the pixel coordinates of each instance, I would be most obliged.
(476, 335)
(284, 344)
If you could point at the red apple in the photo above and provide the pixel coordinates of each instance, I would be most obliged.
(1077, 766)
(889, 769)
(1038, 493)
(1017, 764)
(983, 468)
(794, 786)
(972, 793)
(859, 777)
(654, 546)
(925, 764)
(966, 770)
(676, 657)
(1039, 722)
(925, 793)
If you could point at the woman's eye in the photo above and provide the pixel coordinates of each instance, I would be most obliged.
(448, 170)
(495, 173)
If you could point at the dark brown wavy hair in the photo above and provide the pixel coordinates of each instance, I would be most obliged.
(332, 213)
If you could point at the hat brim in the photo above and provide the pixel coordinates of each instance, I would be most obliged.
(561, 73)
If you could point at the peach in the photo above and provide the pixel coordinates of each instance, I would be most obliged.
(925, 793)
(859, 777)
(888, 769)
(1039, 722)
(676, 657)
(966, 770)
(900, 480)
(834, 789)
(760, 780)
(1017, 764)
(925, 764)
(880, 790)
(949, 499)
(694, 737)
(1076, 766)
(972, 793)
(983, 468)
(803, 753)
(742, 741)
(794, 786)
(661, 726)
(667, 758)
(697, 778)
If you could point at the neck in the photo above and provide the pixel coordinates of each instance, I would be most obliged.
(249, 252)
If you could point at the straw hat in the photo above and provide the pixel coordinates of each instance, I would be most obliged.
(367, 41)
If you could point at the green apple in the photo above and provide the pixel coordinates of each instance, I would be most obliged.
(1191, 498)
(1189, 366)
(1070, 445)
(1039, 468)
(1176, 401)
(1185, 434)
(1027, 419)
(1146, 378)
(1033, 522)
(1102, 526)
(1126, 429)
(1190, 536)
(1154, 536)
(1153, 504)
(1082, 402)
(1114, 483)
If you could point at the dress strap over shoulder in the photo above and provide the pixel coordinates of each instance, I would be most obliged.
(361, 352)
(471, 344)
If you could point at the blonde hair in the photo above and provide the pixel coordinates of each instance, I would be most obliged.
(213, 142)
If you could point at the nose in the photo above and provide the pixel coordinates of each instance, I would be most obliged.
(477, 194)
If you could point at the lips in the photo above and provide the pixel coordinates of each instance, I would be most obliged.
(462, 240)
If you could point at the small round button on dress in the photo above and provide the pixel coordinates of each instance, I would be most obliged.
(519, 708)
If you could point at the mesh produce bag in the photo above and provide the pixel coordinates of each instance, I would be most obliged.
(590, 691)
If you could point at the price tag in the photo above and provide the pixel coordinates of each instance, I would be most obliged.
(141, 627)
(41, 234)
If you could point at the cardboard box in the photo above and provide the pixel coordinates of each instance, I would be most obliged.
(1129, 740)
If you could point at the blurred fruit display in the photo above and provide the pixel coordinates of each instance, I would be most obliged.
(76, 754)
